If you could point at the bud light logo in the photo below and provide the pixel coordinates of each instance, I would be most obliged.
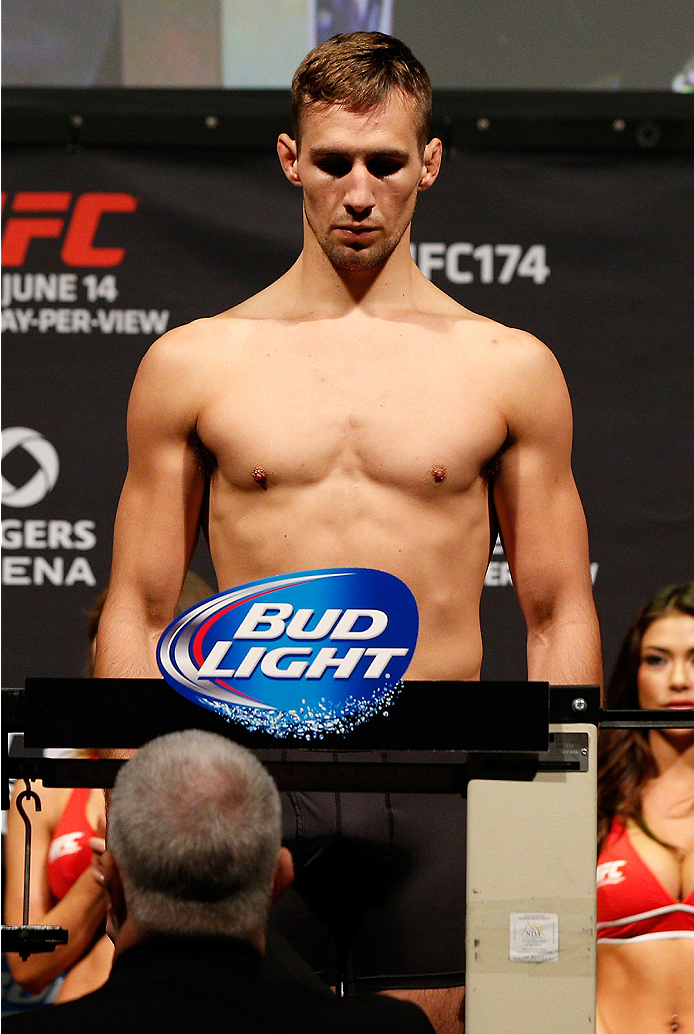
(298, 655)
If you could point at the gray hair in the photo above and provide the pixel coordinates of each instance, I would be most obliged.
(194, 826)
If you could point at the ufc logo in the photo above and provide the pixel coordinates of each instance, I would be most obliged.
(610, 873)
(78, 231)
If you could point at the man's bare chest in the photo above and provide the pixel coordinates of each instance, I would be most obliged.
(405, 416)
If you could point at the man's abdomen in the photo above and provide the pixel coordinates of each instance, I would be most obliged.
(438, 547)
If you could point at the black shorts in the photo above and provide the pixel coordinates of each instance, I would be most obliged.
(385, 872)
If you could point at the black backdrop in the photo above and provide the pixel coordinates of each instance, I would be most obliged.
(207, 229)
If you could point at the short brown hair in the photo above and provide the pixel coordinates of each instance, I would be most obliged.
(358, 70)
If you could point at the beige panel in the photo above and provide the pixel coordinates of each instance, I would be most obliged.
(531, 851)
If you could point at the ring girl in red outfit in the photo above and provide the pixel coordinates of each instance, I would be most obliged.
(65, 889)
(646, 831)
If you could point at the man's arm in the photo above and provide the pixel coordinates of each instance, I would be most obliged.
(158, 515)
(542, 523)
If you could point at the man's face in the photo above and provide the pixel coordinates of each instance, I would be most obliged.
(360, 174)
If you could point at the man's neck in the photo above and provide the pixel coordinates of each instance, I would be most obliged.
(129, 936)
(329, 293)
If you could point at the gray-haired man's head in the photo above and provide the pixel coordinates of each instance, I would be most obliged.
(194, 828)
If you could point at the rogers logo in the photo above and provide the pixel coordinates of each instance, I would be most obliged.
(42, 481)
(78, 231)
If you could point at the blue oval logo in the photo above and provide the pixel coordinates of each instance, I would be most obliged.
(298, 655)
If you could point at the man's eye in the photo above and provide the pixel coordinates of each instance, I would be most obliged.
(383, 167)
(334, 166)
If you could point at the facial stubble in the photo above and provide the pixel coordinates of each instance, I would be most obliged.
(359, 258)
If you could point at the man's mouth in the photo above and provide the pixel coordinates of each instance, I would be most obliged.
(355, 232)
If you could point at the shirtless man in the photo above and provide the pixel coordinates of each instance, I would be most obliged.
(351, 414)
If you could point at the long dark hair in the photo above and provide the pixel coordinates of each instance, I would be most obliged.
(625, 758)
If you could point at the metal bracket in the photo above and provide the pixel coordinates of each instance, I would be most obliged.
(28, 940)
(567, 752)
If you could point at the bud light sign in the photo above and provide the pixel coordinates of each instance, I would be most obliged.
(298, 655)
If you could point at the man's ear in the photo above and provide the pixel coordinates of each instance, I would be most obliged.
(283, 876)
(287, 151)
(116, 909)
(431, 163)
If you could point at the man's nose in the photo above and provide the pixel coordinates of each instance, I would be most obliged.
(358, 194)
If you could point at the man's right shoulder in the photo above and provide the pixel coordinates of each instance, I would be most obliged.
(198, 343)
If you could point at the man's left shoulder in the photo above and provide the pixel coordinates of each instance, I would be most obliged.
(509, 343)
(517, 357)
